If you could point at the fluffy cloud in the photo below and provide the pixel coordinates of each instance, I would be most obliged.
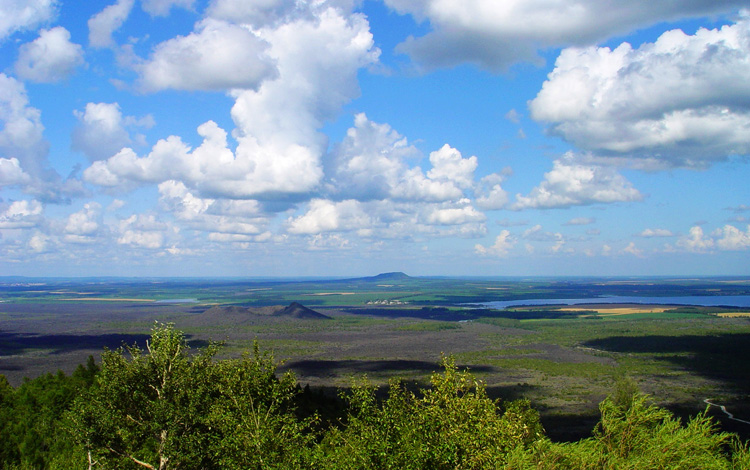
(631, 249)
(371, 163)
(217, 56)
(502, 246)
(570, 183)
(49, 58)
(681, 100)
(490, 193)
(495, 34)
(731, 238)
(222, 219)
(23, 149)
(11, 172)
(21, 214)
(464, 213)
(102, 130)
(696, 242)
(259, 13)
(142, 231)
(107, 21)
(39, 243)
(727, 238)
(141, 239)
(380, 194)
(212, 168)
(389, 219)
(279, 147)
(84, 222)
(328, 216)
(278, 125)
(21, 134)
(19, 15)
(449, 165)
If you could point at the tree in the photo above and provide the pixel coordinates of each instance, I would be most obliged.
(32, 430)
(145, 410)
(167, 408)
(635, 434)
(255, 416)
(453, 425)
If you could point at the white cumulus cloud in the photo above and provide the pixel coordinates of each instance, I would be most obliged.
(221, 218)
(101, 131)
(328, 216)
(21, 133)
(631, 249)
(142, 231)
(494, 34)
(696, 241)
(11, 172)
(279, 147)
(502, 246)
(490, 194)
(680, 101)
(85, 222)
(463, 214)
(217, 56)
(106, 22)
(730, 238)
(20, 15)
(23, 148)
(371, 163)
(21, 214)
(49, 58)
(571, 183)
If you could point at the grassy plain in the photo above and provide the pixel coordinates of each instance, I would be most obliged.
(564, 358)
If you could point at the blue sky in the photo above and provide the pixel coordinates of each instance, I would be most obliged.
(344, 137)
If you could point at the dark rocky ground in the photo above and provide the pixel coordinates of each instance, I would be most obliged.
(327, 352)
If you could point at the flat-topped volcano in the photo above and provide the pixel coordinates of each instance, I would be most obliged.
(394, 276)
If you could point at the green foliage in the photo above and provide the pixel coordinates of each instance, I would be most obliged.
(255, 416)
(173, 409)
(635, 434)
(453, 425)
(33, 433)
(145, 410)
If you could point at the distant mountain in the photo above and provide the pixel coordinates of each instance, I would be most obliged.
(395, 276)
(294, 310)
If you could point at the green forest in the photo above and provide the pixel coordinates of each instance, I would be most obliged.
(172, 407)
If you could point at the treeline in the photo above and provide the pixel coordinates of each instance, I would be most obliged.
(167, 407)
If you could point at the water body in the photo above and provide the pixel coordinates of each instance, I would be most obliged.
(701, 301)
(177, 301)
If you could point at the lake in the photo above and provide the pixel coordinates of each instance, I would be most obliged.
(703, 301)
